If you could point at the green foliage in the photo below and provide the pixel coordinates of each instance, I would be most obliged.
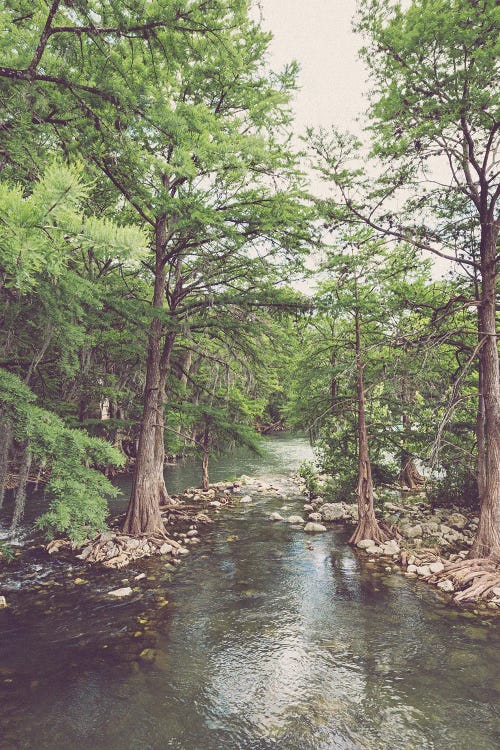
(309, 473)
(76, 491)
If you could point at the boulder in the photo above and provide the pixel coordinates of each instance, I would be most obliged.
(312, 528)
(276, 517)
(365, 543)
(446, 586)
(334, 511)
(424, 571)
(295, 520)
(436, 567)
(414, 531)
(375, 550)
(457, 520)
(391, 548)
(314, 517)
(308, 507)
(119, 593)
(165, 549)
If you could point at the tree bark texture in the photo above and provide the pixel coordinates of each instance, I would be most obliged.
(487, 542)
(368, 527)
(148, 486)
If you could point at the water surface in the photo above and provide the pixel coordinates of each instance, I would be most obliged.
(269, 639)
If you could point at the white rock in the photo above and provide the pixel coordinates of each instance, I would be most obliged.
(192, 532)
(375, 550)
(165, 549)
(140, 577)
(334, 511)
(411, 569)
(119, 593)
(215, 504)
(246, 499)
(424, 571)
(446, 586)
(314, 517)
(365, 543)
(183, 551)
(295, 520)
(308, 507)
(314, 527)
(414, 531)
(276, 517)
(436, 567)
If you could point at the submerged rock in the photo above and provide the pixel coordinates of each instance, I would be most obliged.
(295, 520)
(314, 527)
(276, 517)
(119, 593)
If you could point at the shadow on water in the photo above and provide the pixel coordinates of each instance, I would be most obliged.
(270, 639)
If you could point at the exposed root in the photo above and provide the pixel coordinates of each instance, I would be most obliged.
(476, 578)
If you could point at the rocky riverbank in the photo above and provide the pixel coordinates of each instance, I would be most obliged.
(431, 544)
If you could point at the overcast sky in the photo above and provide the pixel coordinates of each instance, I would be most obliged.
(318, 34)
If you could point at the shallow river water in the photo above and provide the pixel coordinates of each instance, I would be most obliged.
(263, 638)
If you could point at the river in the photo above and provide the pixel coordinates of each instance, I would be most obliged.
(264, 638)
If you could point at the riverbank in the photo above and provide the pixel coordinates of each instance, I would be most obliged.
(432, 544)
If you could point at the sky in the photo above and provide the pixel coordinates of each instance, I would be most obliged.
(318, 34)
(333, 81)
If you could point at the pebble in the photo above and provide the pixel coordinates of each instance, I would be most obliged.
(119, 593)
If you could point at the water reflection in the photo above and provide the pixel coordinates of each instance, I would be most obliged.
(271, 640)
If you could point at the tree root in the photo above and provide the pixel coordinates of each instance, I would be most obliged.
(475, 578)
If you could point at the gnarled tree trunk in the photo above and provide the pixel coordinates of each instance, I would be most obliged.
(487, 542)
(148, 486)
(368, 526)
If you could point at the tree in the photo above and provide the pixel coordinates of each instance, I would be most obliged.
(435, 111)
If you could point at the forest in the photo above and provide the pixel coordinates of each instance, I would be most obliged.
(182, 271)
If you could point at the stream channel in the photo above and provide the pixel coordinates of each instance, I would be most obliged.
(263, 638)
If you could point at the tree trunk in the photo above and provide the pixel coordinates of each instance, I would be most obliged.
(368, 527)
(487, 542)
(205, 456)
(20, 500)
(148, 486)
(4, 458)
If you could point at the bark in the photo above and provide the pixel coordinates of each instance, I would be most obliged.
(20, 499)
(487, 542)
(368, 527)
(148, 486)
(205, 455)
(4, 458)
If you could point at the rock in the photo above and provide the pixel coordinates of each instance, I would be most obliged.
(423, 571)
(446, 586)
(314, 517)
(165, 549)
(391, 547)
(3, 602)
(246, 499)
(295, 520)
(375, 550)
(365, 543)
(496, 591)
(308, 507)
(215, 504)
(183, 551)
(414, 531)
(334, 511)
(192, 532)
(276, 517)
(457, 520)
(119, 593)
(411, 569)
(436, 567)
(140, 577)
(314, 527)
